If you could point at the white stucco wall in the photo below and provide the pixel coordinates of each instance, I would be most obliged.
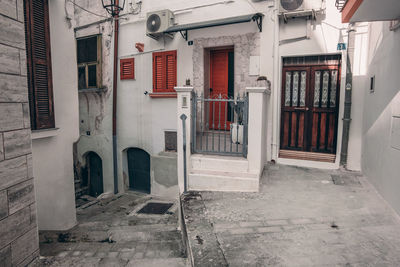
(381, 138)
(324, 35)
(52, 156)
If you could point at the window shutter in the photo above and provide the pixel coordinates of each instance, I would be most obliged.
(127, 68)
(158, 70)
(164, 71)
(39, 64)
(171, 70)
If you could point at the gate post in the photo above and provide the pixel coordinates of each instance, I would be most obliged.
(257, 117)
(184, 106)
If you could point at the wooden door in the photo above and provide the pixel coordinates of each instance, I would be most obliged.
(139, 170)
(325, 82)
(295, 108)
(221, 87)
(95, 174)
(309, 108)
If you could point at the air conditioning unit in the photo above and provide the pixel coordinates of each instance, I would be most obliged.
(292, 6)
(157, 22)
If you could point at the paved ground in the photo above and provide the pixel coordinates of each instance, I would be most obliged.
(110, 233)
(299, 218)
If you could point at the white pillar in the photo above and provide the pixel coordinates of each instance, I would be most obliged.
(257, 128)
(184, 107)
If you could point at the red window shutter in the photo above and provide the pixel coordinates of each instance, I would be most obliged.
(171, 70)
(39, 63)
(127, 68)
(164, 71)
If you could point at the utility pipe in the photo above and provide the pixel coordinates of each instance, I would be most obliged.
(114, 110)
(347, 96)
(183, 118)
(275, 83)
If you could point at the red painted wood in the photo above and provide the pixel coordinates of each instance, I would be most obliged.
(127, 68)
(314, 128)
(219, 88)
(164, 71)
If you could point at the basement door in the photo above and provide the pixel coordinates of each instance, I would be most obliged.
(309, 112)
(139, 170)
(221, 82)
(95, 174)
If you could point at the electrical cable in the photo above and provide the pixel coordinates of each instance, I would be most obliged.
(84, 9)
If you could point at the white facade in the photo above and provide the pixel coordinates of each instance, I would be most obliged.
(381, 112)
(52, 149)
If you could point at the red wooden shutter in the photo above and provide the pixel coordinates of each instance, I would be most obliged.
(39, 64)
(170, 58)
(164, 71)
(127, 68)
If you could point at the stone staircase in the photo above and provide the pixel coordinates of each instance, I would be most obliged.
(107, 235)
(221, 173)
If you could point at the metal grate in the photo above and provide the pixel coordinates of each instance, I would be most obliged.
(155, 208)
(220, 124)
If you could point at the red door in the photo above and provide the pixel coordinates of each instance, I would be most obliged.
(218, 90)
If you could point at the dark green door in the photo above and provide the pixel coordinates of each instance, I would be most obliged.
(139, 170)
(95, 174)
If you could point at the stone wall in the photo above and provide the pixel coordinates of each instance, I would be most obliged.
(19, 245)
(244, 46)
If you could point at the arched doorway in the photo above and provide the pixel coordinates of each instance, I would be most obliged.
(139, 169)
(95, 174)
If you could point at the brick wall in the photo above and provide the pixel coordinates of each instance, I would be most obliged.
(19, 245)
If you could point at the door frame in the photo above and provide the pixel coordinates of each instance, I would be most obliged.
(277, 125)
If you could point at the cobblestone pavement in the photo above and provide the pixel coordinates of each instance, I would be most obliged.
(301, 218)
(110, 233)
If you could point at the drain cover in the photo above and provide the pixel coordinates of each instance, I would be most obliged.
(155, 208)
(350, 180)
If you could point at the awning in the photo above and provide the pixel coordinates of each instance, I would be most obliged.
(257, 17)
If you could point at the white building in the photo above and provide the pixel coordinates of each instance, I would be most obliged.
(286, 61)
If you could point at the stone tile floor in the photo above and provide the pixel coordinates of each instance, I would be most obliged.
(299, 218)
(109, 233)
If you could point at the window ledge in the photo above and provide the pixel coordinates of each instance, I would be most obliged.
(89, 90)
(163, 95)
(38, 134)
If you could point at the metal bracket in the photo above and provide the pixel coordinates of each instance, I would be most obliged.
(258, 20)
(184, 34)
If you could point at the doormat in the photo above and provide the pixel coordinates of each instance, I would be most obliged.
(349, 180)
(155, 208)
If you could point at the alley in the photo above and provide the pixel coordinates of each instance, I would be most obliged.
(301, 217)
(111, 232)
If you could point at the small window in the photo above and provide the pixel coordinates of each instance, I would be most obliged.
(170, 141)
(89, 62)
(164, 71)
(127, 68)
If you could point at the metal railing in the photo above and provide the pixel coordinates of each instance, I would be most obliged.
(220, 124)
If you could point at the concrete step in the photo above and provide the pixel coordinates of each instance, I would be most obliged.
(219, 163)
(204, 180)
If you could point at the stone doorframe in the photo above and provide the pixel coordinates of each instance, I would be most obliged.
(245, 45)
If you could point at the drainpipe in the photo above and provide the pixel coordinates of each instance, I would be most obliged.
(114, 111)
(347, 96)
(275, 94)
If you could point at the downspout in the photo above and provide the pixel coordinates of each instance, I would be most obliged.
(114, 111)
(347, 97)
(275, 109)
